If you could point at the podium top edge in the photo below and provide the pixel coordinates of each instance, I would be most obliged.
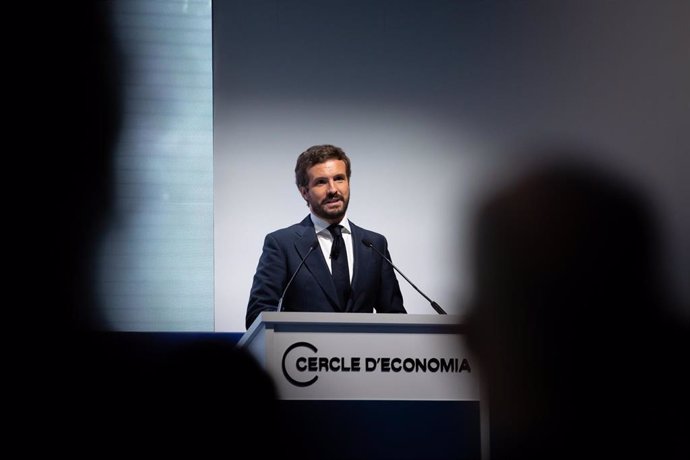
(272, 320)
(357, 318)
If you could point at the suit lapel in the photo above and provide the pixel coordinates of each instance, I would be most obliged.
(362, 260)
(315, 263)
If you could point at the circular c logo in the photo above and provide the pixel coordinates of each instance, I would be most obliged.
(285, 372)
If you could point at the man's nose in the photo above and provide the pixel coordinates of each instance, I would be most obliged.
(331, 187)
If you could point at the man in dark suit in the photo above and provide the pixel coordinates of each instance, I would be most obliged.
(341, 273)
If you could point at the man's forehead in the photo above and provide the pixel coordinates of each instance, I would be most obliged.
(327, 168)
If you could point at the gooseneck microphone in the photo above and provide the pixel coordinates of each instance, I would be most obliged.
(311, 248)
(436, 306)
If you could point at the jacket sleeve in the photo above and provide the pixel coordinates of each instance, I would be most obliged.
(269, 279)
(390, 298)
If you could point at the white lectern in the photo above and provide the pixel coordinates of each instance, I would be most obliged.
(415, 368)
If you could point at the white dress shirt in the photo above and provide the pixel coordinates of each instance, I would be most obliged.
(326, 241)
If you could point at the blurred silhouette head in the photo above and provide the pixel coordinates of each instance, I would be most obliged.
(566, 290)
(86, 174)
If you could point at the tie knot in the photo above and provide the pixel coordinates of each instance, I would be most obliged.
(336, 230)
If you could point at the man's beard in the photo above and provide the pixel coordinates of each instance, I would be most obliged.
(323, 213)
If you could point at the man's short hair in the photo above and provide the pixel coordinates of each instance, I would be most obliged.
(315, 155)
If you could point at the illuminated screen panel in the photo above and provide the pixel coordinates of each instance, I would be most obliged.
(156, 270)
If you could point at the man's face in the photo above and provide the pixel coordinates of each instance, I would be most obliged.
(328, 190)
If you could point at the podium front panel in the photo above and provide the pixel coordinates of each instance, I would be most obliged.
(409, 374)
(364, 356)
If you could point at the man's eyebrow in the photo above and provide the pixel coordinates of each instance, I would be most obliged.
(326, 176)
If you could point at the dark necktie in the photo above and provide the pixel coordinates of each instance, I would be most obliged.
(339, 268)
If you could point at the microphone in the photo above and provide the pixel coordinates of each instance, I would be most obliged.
(436, 306)
(311, 248)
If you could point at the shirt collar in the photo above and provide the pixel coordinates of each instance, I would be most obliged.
(321, 225)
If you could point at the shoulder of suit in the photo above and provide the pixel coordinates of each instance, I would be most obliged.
(294, 229)
(368, 234)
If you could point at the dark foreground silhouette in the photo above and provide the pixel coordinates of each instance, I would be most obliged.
(580, 352)
(97, 392)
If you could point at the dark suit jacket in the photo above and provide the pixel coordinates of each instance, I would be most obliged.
(374, 285)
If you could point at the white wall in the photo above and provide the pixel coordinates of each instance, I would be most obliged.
(429, 99)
